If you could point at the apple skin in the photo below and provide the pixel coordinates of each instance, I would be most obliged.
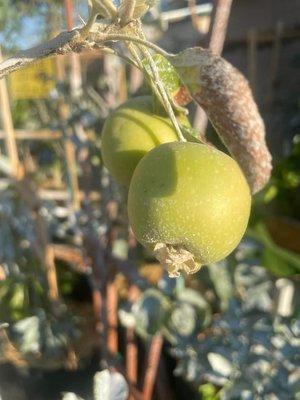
(132, 131)
(192, 197)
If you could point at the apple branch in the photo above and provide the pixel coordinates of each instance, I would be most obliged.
(63, 43)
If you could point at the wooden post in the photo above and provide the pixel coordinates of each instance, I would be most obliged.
(131, 356)
(112, 316)
(75, 81)
(216, 37)
(69, 147)
(9, 134)
(252, 58)
(219, 24)
(42, 246)
(275, 55)
(152, 365)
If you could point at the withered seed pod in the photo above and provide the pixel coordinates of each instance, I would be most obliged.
(224, 93)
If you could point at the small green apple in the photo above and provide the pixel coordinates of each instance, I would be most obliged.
(130, 132)
(190, 203)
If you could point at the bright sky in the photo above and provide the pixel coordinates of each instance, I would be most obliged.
(32, 28)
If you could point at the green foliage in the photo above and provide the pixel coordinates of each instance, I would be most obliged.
(208, 392)
(282, 195)
(170, 79)
(167, 73)
(286, 182)
(279, 261)
(190, 134)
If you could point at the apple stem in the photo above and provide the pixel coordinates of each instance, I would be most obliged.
(134, 39)
(160, 87)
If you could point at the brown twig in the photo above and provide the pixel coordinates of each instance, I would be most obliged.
(152, 365)
(216, 39)
(63, 43)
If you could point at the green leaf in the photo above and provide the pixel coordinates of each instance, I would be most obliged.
(220, 276)
(279, 261)
(18, 296)
(195, 299)
(208, 392)
(170, 79)
(190, 134)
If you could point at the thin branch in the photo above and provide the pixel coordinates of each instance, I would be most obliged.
(127, 38)
(67, 42)
(63, 43)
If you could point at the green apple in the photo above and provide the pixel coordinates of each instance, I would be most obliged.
(190, 203)
(130, 132)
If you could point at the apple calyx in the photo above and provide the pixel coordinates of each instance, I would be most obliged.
(175, 258)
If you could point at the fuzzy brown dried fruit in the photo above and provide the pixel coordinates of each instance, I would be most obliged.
(224, 93)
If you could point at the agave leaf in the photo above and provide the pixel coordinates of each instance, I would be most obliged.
(110, 386)
(70, 396)
(220, 364)
(150, 312)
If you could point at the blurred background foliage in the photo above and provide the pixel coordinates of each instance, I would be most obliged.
(231, 331)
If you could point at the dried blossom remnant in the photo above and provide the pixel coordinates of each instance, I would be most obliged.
(225, 95)
(175, 259)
